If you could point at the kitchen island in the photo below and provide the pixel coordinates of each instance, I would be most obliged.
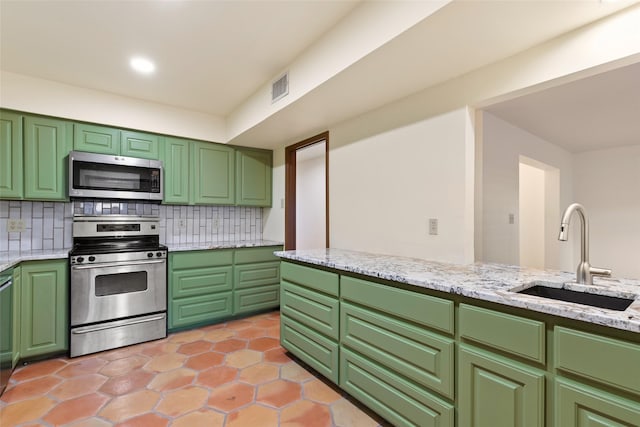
(431, 343)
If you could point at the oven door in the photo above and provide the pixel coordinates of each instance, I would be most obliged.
(109, 291)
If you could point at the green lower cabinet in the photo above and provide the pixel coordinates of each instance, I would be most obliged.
(200, 287)
(256, 279)
(578, 405)
(315, 349)
(200, 309)
(17, 311)
(397, 399)
(44, 326)
(495, 391)
(404, 348)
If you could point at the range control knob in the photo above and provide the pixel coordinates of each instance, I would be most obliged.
(92, 258)
(158, 254)
(150, 255)
(80, 259)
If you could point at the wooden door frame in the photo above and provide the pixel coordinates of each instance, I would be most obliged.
(290, 188)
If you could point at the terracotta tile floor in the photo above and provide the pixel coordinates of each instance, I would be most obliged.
(231, 374)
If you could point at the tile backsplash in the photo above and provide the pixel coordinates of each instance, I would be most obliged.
(48, 225)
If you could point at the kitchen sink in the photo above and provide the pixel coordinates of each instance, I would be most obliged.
(557, 292)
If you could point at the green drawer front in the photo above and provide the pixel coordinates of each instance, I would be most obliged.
(316, 350)
(582, 406)
(203, 308)
(264, 254)
(597, 358)
(396, 399)
(251, 275)
(495, 391)
(194, 259)
(260, 298)
(198, 281)
(312, 278)
(407, 349)
(430, 311)
(310, 308)
(511, 334)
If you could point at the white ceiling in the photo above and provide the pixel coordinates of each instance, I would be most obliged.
(212, 55)
(597, 112)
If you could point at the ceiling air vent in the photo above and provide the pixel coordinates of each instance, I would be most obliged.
(280, 88)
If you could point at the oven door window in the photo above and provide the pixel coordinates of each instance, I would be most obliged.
(120, 283)
(101, 176)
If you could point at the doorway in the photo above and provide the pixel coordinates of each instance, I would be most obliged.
(306, 193)
(538, 207)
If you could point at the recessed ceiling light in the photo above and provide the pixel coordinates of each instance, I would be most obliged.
(142, 65)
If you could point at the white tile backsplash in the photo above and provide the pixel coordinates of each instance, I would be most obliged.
(48, 225)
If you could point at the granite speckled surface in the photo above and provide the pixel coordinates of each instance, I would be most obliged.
(485, 281)
(222, 245)
(11, 259)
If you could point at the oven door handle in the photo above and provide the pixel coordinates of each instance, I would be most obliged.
(117, 264)
(89, 329)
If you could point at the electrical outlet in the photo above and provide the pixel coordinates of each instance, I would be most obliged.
(433, 226)
(512, 218)
(216, 223)
(15, 225)
(182, 223)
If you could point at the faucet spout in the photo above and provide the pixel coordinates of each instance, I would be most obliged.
(585, 272)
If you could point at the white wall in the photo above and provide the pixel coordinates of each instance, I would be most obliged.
(50, 98)
(607, 183)
(503, 147)
(384, 188)
(311, 204)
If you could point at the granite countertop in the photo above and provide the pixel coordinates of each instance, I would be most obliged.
(11, 259)
(222, 245)
(484, 281)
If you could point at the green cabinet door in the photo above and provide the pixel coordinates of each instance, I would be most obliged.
(17, 310)
(44, 324)
(253, 177)
(214, 174)
(578, 405)
(497, 392)
(96, 139)
(10, 155)
(46, 145)
(175, 160)
(140, 144)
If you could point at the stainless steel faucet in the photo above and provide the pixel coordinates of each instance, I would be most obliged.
(585, 272)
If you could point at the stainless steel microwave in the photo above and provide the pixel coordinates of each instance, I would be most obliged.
(114, 177)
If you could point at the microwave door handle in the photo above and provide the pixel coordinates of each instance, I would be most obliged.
(117, 264)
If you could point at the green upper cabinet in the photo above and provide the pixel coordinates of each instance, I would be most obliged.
(175, 160)
(253, 177)
(107, 140)
(46, 144)
(214, 175)
(10, 155)
(96, 139)
(139, 144)
(44, 322)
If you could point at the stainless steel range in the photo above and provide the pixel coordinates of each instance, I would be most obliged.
(118, 283)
